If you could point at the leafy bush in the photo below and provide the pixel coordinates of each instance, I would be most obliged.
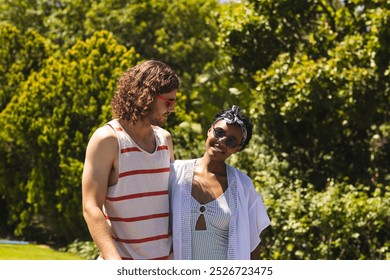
(342, 222)
(85, 249)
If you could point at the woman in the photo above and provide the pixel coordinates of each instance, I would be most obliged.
(216, 211)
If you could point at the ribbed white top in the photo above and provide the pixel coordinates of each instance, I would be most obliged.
(212, 243)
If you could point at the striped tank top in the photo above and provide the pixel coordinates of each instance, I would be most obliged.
(137, 207)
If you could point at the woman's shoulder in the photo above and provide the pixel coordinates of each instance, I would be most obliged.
(181, 163)
(245, 182)
(241, 175)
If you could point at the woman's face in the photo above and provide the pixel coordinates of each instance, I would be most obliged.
(223, 140)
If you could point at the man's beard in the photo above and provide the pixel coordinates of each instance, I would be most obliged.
(157, 121)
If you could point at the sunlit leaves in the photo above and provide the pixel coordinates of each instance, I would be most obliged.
(343, 222)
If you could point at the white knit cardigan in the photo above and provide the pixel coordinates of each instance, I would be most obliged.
(249, 216)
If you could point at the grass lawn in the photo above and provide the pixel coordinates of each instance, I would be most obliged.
(33, 252)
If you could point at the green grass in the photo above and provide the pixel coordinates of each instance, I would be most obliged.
(33, 252)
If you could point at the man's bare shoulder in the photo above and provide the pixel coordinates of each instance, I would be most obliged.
(104, 135)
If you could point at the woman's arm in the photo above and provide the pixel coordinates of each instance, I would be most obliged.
(255, 255)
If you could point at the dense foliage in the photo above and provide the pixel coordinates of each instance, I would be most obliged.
(313, 75)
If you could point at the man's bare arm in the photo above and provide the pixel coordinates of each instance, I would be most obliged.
(100, 156)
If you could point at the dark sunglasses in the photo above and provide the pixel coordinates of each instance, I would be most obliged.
(230, 141)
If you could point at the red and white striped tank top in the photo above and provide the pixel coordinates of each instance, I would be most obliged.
(137, 207)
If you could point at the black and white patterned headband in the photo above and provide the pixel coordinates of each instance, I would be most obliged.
(234, 116)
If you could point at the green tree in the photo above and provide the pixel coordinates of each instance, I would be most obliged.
(61, 21)
(20, 55)
(25, 14)
(180, 33)
(323, 114)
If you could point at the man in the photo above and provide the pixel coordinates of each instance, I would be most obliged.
(126, 169)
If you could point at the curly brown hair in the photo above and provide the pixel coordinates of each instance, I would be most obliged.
(137, 88)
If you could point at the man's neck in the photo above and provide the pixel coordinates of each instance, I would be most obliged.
(141, 133)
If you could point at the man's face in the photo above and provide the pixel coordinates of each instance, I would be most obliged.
(162, 106)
